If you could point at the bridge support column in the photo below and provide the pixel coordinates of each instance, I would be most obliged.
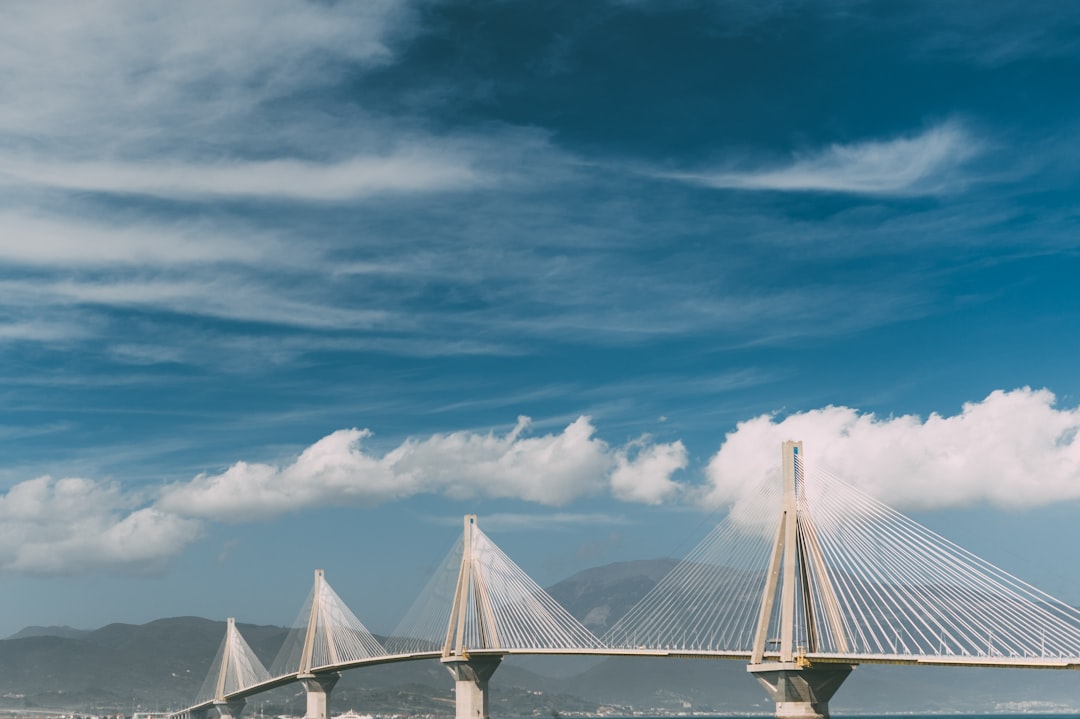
(800, 692)
(318, 688)
(229, 709)
(471, 684)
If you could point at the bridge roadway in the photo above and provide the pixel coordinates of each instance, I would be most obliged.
(998, 662)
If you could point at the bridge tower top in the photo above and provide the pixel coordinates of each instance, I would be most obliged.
(472, 594)
(235, 667)
(314, 626)
(481, 602)
(227, 654)
(796, 556)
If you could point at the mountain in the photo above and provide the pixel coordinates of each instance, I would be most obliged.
(63, 631)
(120, 665)
(598, 597)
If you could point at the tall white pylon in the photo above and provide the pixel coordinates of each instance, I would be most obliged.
(235, 668)
(800, 690)
(325, 634)
(497, 606)
(796, 556)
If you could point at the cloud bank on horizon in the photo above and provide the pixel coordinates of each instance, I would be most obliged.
(1012, 449)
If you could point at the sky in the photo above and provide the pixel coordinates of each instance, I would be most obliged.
(289, 285)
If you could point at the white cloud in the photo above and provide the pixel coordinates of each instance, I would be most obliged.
(552, 469)
(125, 68)
(40, 241)
(917, 165)
(643, 471)
(201, 100)
(408, 169)
(1012, 449)
(50, 526)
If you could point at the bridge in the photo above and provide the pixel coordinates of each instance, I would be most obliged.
(803, 581)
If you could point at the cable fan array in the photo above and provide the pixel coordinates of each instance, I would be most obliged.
(235, 667)
(904, 590)
(710, 600)
(325, 633)
(489, 604)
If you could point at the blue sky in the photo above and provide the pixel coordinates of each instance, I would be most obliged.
(293, 285)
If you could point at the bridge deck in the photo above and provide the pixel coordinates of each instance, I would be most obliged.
(1068, 663)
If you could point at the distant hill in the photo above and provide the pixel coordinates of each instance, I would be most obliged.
(162, 664)
(598, 597)
(159, 663)
(64, 632)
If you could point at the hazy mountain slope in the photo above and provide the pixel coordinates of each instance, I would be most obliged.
(62, 631)
(601, 595)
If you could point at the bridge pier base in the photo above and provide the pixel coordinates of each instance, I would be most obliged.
(800, 692)
(471, 684)
(318, 688)
(229, 709)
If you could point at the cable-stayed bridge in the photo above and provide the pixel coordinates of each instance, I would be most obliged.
(803, 581)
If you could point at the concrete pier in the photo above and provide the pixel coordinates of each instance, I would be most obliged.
(318, 688)
(229, 709)
(471, 677)
(800, 692)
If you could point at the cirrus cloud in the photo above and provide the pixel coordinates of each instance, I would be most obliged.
(923, 164)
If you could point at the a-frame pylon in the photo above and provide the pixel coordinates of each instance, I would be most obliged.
(236, 667)
(472, 606)
(797, 574)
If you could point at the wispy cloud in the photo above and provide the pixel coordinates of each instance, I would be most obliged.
(412, 170)
(923, 164)
(43, 240)
(130, 73)
(205, 297)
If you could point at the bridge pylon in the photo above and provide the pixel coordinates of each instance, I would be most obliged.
(809, 614)
(235, 668)
(471, 617)
(319, 633)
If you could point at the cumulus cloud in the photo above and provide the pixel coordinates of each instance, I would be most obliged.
(916, 165)
(50, 526)
(643, 472)
(1013, 449)
(552, 469)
